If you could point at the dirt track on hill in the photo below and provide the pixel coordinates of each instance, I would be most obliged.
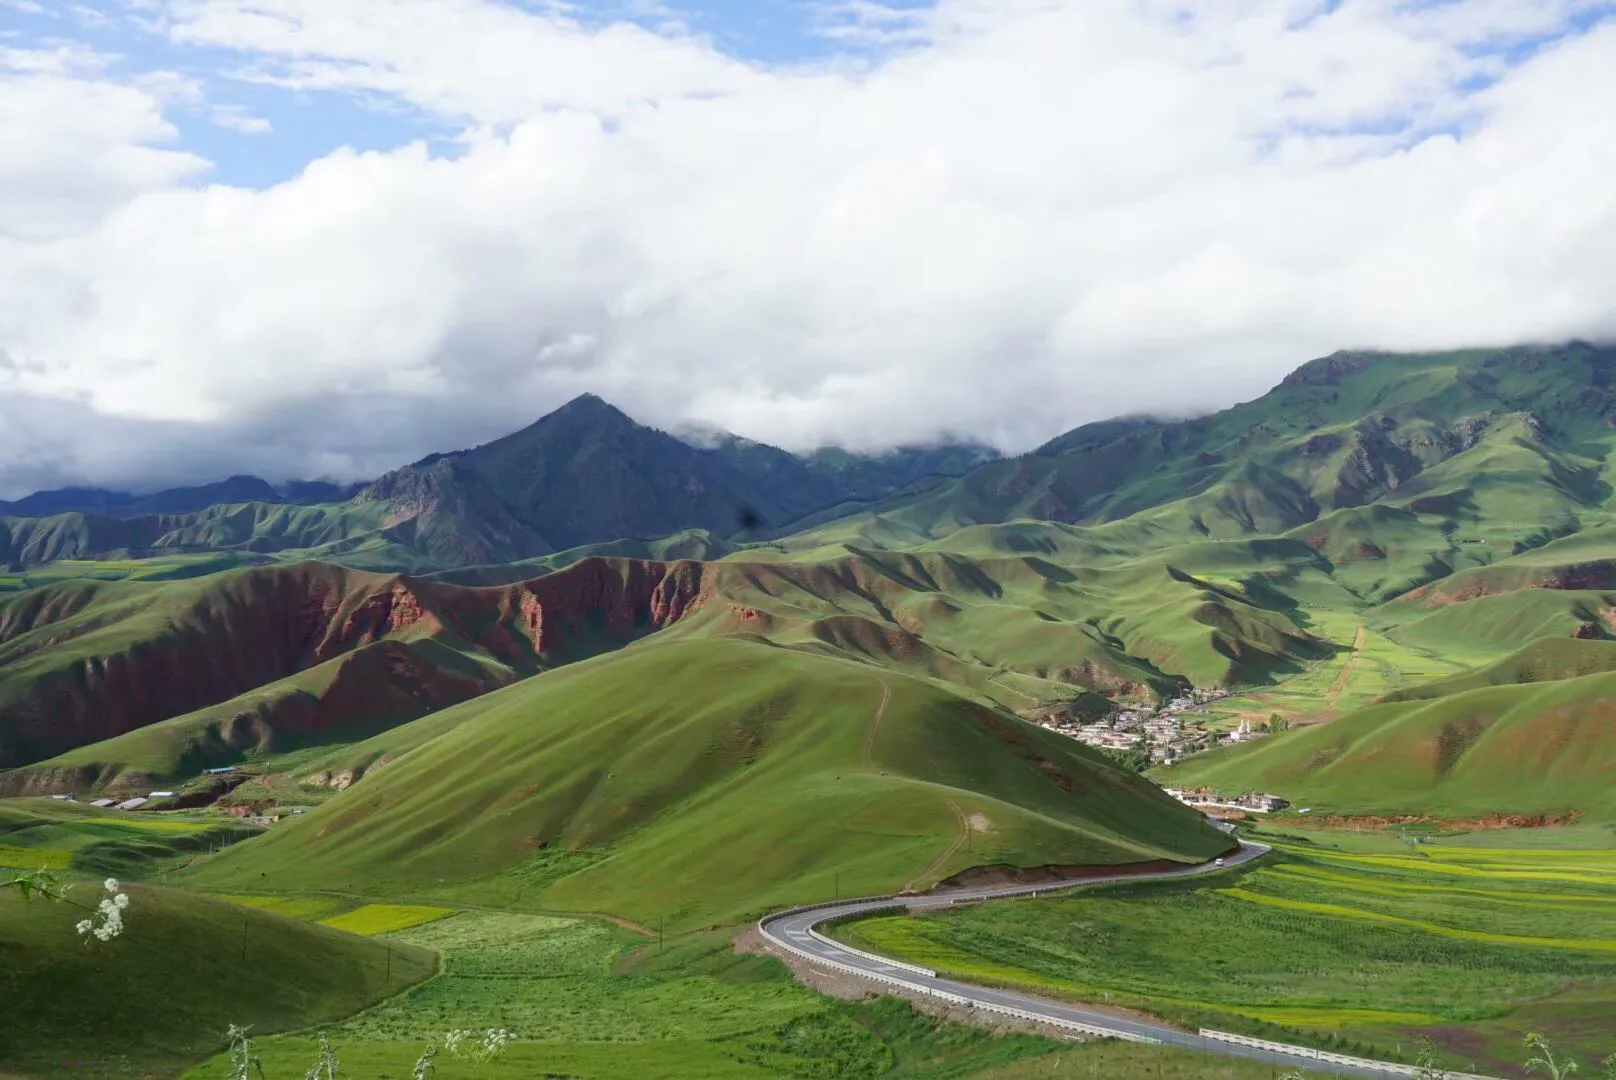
(866, 753)
(1344, 678)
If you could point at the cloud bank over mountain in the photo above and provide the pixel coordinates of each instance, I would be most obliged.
(1002, 217)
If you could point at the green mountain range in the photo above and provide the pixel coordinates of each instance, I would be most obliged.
(1412, 556)
(585, 474)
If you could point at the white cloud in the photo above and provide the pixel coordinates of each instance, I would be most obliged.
(236, 118)
(78, 146)
(1033, 214)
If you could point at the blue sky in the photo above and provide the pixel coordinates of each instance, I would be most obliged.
(309, 125)
(776, 33)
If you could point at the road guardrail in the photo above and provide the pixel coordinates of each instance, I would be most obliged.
(1310, 1054)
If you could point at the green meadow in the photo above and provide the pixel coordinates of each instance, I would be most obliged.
(591, 1000)
(163, 993)
(594, 1001)
(1358, 942)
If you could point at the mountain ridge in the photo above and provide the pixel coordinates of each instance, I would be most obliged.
(584, 474)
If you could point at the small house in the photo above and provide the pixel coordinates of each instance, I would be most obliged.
(104, 802)
(133, 804)
(161, 795)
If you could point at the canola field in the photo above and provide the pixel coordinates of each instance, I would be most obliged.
(375, 919)
(1355, 942)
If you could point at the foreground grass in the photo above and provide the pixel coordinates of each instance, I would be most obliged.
(161, 996)
(588, 999)
(1352, 949)
(1112, 1060)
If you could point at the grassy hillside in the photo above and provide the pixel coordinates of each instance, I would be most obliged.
(697, 544)
(44, 834)
(132, 683)
(709, 781)
(272, 657)
(161, 995)
(1518, 749)
(1460, 457)
(1035, 625)
(1544, 660)
(1373, 520)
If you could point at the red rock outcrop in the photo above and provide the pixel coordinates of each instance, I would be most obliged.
(245, 630)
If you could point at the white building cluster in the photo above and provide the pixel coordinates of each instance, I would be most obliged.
(1158, 731)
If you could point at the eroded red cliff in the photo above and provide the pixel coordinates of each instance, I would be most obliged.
(79, 665)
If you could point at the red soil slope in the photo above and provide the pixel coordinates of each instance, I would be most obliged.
(82, 664)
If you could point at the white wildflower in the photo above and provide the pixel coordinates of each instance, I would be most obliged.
(243, 1062)
(465, 1044)
(110, 912)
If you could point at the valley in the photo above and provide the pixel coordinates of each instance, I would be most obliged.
(543, 728)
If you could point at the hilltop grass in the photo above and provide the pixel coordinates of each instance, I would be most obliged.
(1333, 947)
(155, 568)
(161, 996)
(707, 782)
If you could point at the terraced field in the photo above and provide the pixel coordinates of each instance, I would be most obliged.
(1357, 941)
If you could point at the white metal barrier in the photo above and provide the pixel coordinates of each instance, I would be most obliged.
(872, 957)
(943, 995)
(1311, 1054)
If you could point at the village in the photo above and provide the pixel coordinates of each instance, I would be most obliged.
(1165, 733)
(205, 790)
(1168, 733)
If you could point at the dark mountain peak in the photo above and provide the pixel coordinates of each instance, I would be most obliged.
(1097, 434)
(1330, 370)
(586, 420)
(589, 407)
(67, 500)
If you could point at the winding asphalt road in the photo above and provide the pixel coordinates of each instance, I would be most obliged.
(795, 932)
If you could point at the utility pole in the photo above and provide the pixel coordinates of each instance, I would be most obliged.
(836, 889)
